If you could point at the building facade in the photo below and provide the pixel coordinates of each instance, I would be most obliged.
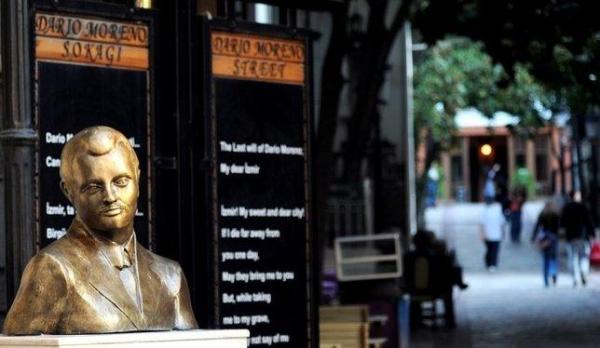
(466, 165)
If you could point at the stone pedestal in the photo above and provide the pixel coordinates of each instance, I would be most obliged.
(163, 339)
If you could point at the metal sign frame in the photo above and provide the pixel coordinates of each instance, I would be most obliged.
(107, 12)
(207, 142)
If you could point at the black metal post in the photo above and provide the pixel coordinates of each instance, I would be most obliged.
(377, 161)
(578, 137)
(231, 9)
(283, 15)
(18, 140)
(221, 10)
(244, 10)
(293, 18)
(561, 165)
(594, 182)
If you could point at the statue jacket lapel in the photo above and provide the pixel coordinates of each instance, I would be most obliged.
(104, 277)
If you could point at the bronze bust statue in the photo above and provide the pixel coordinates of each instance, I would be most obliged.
(98, 278)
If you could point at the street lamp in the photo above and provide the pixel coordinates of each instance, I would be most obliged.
(147, 4)
(486, 150)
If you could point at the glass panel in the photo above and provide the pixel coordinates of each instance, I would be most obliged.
(541, 167)
(368, 257)
(367, 269)
(367, 249)
(456, 169)
(541, 144)
(263, 14)
(519, 145)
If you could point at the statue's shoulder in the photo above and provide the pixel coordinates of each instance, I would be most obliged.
(61, 250)
(168, 271)
(161, 264)
(64, 256)
(50, 262)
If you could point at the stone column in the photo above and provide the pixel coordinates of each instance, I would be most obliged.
(510, 149)
(407, 129)
(18, 139)
(530, 156)
(446, 165)
(466, 168)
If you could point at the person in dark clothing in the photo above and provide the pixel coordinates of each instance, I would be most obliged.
(577, 222)
(452, 271)
(442, 272)
(545, 237)
(516, 207)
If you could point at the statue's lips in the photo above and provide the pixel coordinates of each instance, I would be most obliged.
(112, 211)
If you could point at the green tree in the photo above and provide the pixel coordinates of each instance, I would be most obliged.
(457, 73)
(558, 40)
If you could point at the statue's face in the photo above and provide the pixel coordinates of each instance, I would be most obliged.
(104, 190)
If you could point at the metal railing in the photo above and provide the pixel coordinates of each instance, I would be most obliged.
(368, 257)
(345, 217)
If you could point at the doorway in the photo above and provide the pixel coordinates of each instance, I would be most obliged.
(484, 152)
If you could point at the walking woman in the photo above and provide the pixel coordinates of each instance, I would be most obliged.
(491, 227)
(545, 238)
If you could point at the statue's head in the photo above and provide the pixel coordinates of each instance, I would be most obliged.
(99, 173)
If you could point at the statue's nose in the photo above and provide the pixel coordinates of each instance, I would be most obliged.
(110, 195)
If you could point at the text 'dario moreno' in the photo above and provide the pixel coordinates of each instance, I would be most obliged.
(257, 58)
(88, 41)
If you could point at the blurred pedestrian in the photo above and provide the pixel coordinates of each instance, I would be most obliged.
(516, 215)
(491, 227)
(545, 238)
(523, 178)
(502, 193)
(489, 188)
(579, 230)
(431, 185)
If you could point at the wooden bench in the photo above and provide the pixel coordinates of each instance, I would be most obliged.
(344, 326)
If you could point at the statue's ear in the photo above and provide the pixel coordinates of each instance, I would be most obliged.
(139, 172)
(65, 190)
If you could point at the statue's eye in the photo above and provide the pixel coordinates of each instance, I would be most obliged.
(93, 188)
(122, 182)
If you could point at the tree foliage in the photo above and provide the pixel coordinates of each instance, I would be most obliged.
(558, 40)
(457, 73)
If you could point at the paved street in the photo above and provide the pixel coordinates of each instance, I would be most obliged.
(511, 308)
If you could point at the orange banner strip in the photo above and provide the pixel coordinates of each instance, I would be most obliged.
(258, 58)
(91, 53)
(260, 70)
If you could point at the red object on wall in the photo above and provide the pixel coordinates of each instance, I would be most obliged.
(595, 253)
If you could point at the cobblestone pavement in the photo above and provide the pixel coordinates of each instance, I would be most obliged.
(511, 308)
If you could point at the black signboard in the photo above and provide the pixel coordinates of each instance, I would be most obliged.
(90, 69)
(261, 233)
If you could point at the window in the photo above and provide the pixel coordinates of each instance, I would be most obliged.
(520, 150)
(456, 169)
(541, 158)
(263, 14)
(541, 167)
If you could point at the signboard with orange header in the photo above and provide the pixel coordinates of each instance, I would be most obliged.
(91, 67)
(258, 115)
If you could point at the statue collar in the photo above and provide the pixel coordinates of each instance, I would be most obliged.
(119, 255)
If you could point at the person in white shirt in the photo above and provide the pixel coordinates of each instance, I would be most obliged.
(491, 227)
